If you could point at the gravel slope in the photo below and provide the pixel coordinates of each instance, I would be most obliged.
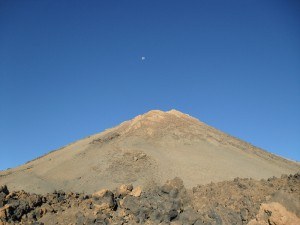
(151, 148)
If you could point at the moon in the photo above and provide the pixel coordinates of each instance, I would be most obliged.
(143, 58)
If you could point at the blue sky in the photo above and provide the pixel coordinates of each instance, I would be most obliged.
(69, 69)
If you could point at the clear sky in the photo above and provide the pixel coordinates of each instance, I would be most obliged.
(69, 69)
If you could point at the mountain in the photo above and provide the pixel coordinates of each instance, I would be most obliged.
(151, 148)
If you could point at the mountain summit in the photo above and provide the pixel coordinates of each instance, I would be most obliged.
(150, 148)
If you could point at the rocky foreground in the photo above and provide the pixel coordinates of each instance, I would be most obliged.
(241, 201)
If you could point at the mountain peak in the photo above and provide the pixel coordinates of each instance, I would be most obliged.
(155, 121)
(159, 116)
(152, 147)
(177, 113)
(158, 113)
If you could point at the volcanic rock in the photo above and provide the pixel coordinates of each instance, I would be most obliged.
(255, 202)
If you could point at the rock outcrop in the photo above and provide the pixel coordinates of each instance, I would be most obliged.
(241, 201)
(274, 213)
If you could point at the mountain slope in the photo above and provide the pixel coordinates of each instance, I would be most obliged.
(150, 148)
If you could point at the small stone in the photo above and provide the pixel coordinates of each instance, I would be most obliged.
(104, 199)
(132, 204)
(102, 206)
(4, 189)
(3, 212)
(189, 215)
(136, 192)
(100, 193)
(124, 190)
